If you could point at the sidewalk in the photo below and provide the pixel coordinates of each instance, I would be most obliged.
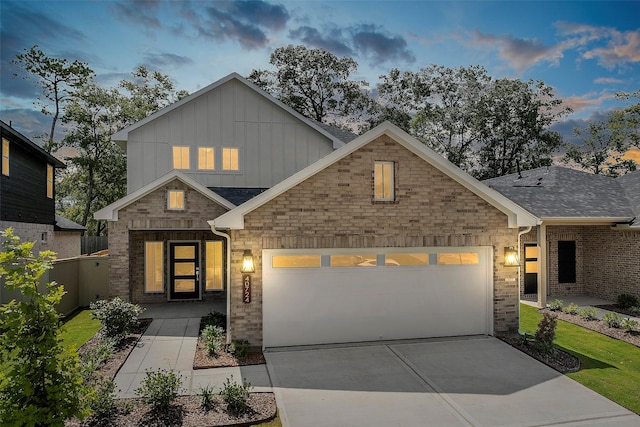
(170, 343)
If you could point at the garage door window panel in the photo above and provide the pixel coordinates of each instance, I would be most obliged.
(410, 259)
(296, 261)
(458, 258)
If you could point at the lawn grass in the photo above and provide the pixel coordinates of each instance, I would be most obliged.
(608, 366)
(78, 328)
(273, 423)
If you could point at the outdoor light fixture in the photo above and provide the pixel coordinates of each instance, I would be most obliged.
(511, 257)
(247, 262)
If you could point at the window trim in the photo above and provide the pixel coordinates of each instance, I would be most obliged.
(176, 191)
(50, 174)
(182, 157)
(213, 158)
(6, 156)
(237, 150)
(162, 273)
(392, 182)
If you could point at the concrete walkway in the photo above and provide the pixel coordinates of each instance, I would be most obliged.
(170, 343)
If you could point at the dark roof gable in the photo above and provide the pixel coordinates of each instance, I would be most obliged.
(29, 145)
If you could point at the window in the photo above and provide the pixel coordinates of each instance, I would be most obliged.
(406, 259)
(50, 181)
(296, 261)
(205, 158)
(214, 266)
(5, 157)
(566, 261)
(153, 267)
(180, 157)
(458, 258)
(175, 199)
(354, 260)
(230, 159)
(383, 181)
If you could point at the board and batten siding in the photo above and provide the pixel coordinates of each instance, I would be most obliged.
(273, 144)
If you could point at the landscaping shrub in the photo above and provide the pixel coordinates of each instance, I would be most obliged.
(103, 405)
(118, 317)
(546, 333)
(213, 339)
(214, 318)
(572, 308)
(91, 360)
(613, 320)
(629, 325)
(160, 388)
(626, 301)
(635, 310)
(240, 348)
(589, 313)
(206, 395)
(235, 395)
(555, 305)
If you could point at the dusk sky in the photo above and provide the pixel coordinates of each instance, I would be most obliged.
(586, 50)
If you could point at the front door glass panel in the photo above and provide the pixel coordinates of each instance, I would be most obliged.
(184, 270)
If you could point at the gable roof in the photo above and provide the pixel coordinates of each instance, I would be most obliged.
(558, 193)
(517, 216)
(110, 212)
(122, 136)
(31, 146)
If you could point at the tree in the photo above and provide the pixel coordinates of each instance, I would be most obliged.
(57, 77)
(513, 124)
(313, 82)
(40, 383)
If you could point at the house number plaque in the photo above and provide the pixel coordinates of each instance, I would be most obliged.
(246, 288)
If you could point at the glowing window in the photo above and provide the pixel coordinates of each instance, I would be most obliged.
(458, 258)
(353, 260)
(180, 157)
(213, 277)
(406, 259)
(50, 181)
(230, 159)
(296, 261)
(175, 199)
(205, 158)
(153, 267)
(5, 157)
(383, 181)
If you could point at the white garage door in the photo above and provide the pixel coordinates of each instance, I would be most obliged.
(323, 296)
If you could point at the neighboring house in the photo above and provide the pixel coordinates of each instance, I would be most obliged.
(190, 163)
(27, 196)
(588, 239)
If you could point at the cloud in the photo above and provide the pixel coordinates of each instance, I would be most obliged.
(368, 41)
(608, 80)
(585, 102)
(162, 60)
(144, 12)
(520, 54)
(244, 21)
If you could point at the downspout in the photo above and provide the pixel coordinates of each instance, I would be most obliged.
(520, 234)
(228, 278)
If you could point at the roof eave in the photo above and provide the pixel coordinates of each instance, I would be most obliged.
(584, 220)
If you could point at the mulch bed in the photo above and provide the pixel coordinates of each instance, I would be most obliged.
(559, 360)
(187, 410)
(203, 360)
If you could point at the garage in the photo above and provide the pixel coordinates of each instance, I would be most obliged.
(325, 296)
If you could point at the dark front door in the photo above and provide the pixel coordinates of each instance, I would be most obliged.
(184, 270)
(530, 269)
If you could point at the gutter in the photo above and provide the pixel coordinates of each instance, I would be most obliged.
(520, 234)
(228, 277)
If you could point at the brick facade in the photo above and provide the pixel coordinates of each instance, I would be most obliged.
(149, 219)
(335, 209)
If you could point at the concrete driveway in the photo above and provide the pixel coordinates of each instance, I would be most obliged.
(476, 381)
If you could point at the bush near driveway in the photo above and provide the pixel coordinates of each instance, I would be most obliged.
(609, 366)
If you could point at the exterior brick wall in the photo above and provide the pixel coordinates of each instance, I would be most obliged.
(335, 208)
(149, 218)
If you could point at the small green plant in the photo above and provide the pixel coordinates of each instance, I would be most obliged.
(613, 320)
(626, 300)
(160, 388)
(103, 405)
(546, 333)
(207, 395)
(629, 325)
(235, 395)
(635, 310)
(555, 305)
(118, 317)
(240, 348)
(92, 359)
(589, 313)
(214, 318)
(213, 339)
(525, 338)
(572, 308)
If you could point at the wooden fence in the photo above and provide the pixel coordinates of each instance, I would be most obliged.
(93, 244)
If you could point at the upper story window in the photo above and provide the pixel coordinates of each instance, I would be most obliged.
(230, 159)
(383, 181)
(180, 157)
(5, 156)
(50, 181)
(175, 199)
(205, 158)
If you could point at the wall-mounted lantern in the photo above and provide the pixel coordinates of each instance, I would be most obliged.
(511, 257)
(247, 262)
